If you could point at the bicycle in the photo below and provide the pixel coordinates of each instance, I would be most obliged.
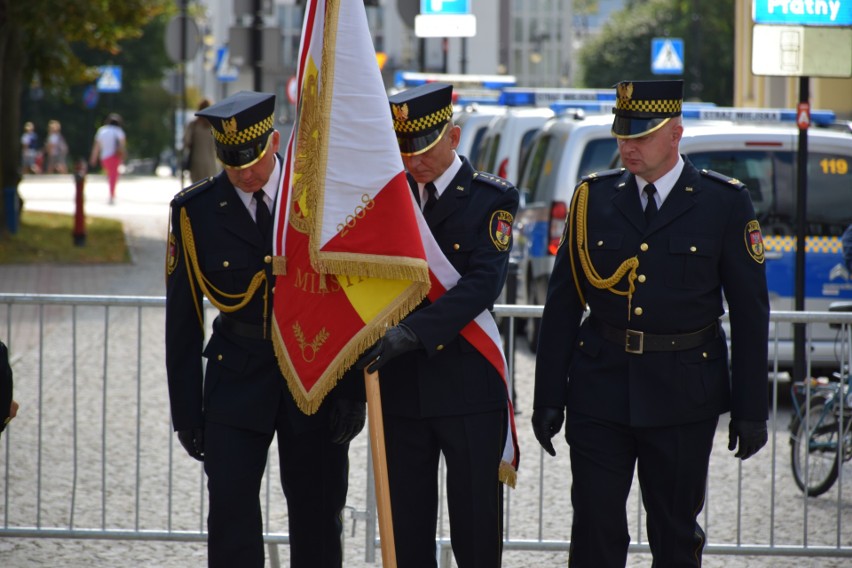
(821, 434)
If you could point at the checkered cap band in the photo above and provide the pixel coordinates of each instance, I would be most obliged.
(658, 107)
(245, 135)
(424, 122)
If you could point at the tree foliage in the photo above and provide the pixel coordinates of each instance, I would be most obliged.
(622, 51)
(52, 47)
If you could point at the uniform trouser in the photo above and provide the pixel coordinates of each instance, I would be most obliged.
(314, 475)
(472, 446)
(672, 465)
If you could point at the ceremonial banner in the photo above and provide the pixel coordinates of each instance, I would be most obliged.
(348, 258)
(351, 246)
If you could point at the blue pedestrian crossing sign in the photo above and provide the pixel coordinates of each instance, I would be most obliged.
(667, 56)
(110, 79)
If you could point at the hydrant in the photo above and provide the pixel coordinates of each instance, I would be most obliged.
(79, 232)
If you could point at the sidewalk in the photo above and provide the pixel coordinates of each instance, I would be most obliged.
(142, 204)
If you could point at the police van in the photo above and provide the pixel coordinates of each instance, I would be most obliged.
(506, 140)
(473, 119)
(568, 146)
(764, 157)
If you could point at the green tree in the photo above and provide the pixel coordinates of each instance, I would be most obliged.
(44, 46)
(623, 49)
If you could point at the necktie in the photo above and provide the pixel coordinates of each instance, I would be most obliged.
(651, 208)
(431, 199)
(262, 216)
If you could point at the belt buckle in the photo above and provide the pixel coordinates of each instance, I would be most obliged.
(634, 341)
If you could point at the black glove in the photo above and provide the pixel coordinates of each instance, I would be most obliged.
(397, 340)
(751, 436)
(193, 442)
(546, 422)
(347, 419)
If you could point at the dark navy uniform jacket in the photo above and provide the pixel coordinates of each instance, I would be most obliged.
(701, 243)
(450, 376)
(243, 384)
(5, 385)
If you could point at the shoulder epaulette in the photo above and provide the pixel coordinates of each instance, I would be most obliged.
(188, 193)
(723, 179)
(492, 180)
(601, 175)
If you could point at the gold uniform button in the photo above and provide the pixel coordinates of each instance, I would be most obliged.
(219, 357)
(226, 264)
(582, 343)
(273, 289)
(704, 355)
(643, 247)
(267, 259)
(456, 246)
(641, 278)
(638, 311)
(439, 348)
(693, 249)
(600, 243)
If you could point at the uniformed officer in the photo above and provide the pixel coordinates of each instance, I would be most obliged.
(8, 406)
(646, 375)
(439, 394)
(220, 246)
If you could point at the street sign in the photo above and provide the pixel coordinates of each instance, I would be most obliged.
(445, 18)
(91, 96)
(174, 35)
(803, 115)
(666, 56)
(445, 25)
(225, 71)
(110, 79)
(801, 51)
(445, 7)
(797, 12)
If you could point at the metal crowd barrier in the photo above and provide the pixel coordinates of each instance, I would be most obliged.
(92, 454)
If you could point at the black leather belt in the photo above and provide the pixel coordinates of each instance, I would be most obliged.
(247, 330)
(637, 342)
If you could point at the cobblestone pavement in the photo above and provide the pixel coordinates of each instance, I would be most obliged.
(133, 495)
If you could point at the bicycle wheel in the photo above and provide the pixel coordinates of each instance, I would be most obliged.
(817, 451)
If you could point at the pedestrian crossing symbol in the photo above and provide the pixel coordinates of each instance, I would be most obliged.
(667, 56)
(110, 79)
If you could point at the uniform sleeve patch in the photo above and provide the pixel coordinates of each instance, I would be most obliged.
(171, 255)
(500, 229)
(754, 241)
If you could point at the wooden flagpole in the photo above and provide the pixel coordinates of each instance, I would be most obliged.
(380, 468)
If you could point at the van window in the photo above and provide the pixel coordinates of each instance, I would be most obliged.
(596, 156)
(771, 180)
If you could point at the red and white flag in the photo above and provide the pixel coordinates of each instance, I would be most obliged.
(351, 246)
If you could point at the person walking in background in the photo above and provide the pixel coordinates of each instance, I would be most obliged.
(228, 415)
(55, 149)
(440, 395)
(8, 406)
(110, 147)
(199, 147)
(29, 149)
(645, 377)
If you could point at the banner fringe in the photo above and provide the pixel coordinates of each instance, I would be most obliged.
(374, 266)
(507, 474)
